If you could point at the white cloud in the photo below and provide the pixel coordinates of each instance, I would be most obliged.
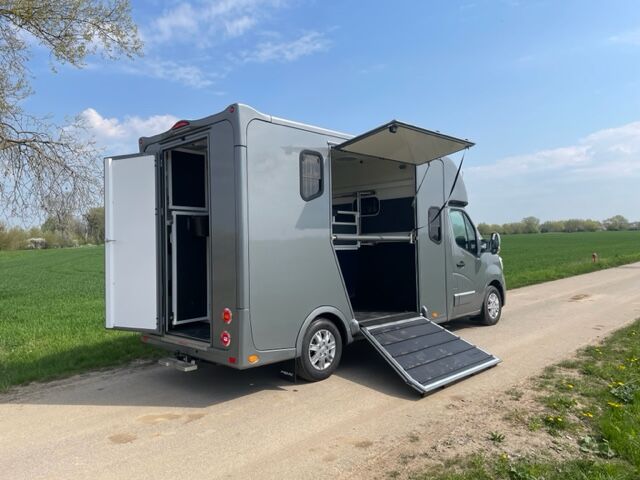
(185, 74)
(595, 154)
(592, 178)
(202, 22)
(120, 136)
(238, 26)
(286, 51)
(631, 37)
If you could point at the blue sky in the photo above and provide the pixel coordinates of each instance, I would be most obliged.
(548, 90)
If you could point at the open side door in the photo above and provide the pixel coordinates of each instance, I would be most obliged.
(131, 268)
(405, 143)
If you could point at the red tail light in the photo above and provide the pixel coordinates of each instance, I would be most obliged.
(180, 124)
(225, 338)
(227, 316)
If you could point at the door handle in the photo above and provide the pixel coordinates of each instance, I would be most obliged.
(460, 264)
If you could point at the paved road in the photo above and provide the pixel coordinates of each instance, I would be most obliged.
(151, 422)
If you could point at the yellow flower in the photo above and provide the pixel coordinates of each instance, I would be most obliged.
(587, 414)
(569, 386)
(614, 404)
(621, 367)
(619, 383)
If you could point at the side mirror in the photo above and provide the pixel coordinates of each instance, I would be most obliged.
(494, 243)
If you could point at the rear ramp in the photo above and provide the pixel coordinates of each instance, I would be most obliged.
(426, 355)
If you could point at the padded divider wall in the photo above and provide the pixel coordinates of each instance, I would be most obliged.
(191, 275)
(188, 180)
(396, 215)
(386, 278)
(380, 277)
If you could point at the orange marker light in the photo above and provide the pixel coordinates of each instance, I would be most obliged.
(253, 358)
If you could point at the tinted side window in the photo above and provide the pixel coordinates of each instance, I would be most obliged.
(459, 229)
(311, 175)
(472, 241)
(435, 224)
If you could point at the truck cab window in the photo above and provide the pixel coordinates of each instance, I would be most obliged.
(463, 231)
(472, 240)
(311, 175)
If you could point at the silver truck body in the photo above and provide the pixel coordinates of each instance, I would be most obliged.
(209, 222)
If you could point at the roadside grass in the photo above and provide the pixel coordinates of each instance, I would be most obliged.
(596, 398)
(530, 259)
(52, 316)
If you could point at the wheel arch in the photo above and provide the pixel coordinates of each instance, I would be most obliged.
(333, 315)
(500, 287)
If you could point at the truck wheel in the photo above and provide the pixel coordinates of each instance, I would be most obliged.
(492, 307)
(321, 351)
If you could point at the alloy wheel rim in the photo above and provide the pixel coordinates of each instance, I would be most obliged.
(322, 349)
(493, 305)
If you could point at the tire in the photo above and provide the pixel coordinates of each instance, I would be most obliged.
(321, 351)
(491, 307)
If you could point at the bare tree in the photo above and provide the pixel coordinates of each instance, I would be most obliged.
(47, 168)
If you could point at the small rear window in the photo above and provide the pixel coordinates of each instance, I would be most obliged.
(435, 224)
(311, 175)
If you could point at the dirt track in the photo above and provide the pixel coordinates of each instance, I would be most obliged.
(151, 422)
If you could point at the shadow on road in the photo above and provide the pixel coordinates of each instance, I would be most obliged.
(151, 385)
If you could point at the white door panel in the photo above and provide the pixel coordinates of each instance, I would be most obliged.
(130, 243)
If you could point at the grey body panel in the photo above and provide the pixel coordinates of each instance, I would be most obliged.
(426, 355)
(223, 230)
(431, 258)
(292, 266)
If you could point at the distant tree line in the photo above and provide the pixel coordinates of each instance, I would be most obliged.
(533, 225)
(57, 231)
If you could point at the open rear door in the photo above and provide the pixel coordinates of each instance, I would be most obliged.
(405, 143)
(130, 243)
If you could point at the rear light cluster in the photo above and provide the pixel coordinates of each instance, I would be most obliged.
(180, 124)
(225, 336)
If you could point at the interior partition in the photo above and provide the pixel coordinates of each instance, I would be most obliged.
(373, 231)
(187, 249)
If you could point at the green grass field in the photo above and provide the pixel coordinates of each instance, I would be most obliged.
(530, 259)
(52, 306)
(52, 316)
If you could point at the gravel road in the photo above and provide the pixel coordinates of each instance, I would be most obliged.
(146, 421)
